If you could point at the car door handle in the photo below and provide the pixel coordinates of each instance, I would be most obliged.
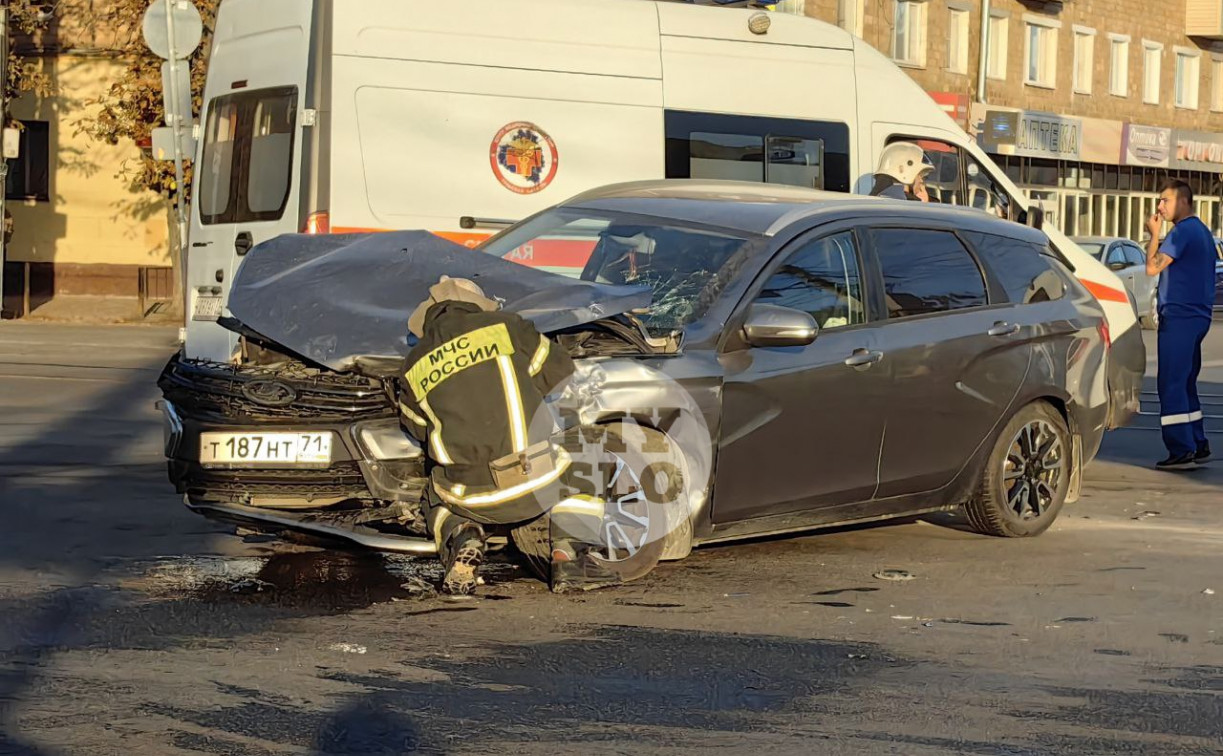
(863, 358)
(1003, 329)
(243, 243)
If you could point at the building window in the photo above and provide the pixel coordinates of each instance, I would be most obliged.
(1216, 85)
(957, 41)
(999, 40)
(909, 32)
(1041, 61)
(850, 14)
(1188, 76)
(1152, 62)
(29, 175)
(1119, 65)
(1084, 59)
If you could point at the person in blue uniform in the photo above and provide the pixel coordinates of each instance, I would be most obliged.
(1185, 262)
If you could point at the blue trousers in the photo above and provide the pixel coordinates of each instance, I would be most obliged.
(1180, 362)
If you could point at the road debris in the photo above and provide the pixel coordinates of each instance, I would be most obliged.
(1209, 592)
(1145, 514)
(894, 575)
(418, 588)
(251, 585)
(348, 648)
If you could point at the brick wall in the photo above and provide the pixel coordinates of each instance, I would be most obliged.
(1162, 22)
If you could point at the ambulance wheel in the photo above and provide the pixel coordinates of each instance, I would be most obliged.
(1026, 477)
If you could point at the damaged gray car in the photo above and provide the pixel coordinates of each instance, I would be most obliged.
(808, 359)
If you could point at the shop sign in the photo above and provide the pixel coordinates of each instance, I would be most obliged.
(1032, 134)
(1149, 146)
(1197, 151)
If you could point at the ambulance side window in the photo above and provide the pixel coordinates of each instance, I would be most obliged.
(812, 154)
(983, 192)
(958, 178)
(943, 183)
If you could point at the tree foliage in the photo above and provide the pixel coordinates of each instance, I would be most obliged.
(26, 18)
(134, 104)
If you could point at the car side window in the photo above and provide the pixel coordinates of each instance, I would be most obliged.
(1134, 256)
(1026, 273)
(821, 278)
(1116, 254)
(927, 272)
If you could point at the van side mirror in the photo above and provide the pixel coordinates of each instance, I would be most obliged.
(773, 326)
(1036, 217)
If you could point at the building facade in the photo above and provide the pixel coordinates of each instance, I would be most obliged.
(1088, 104)
(79, 226)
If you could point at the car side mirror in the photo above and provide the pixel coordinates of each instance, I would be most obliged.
(773, 326)
(1117, 266)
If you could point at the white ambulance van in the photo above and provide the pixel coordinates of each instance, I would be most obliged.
(335, 116)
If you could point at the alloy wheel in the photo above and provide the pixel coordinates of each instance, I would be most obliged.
(626, 523)
(1033, 470)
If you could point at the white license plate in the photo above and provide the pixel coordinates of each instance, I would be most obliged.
(265, 449)
(207, 308)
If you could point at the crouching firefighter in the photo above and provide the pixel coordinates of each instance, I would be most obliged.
(472, 391)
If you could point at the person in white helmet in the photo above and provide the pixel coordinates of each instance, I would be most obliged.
(903, 167)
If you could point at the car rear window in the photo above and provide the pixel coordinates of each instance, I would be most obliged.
(927, 272)
(1026, 271)
(247, 168)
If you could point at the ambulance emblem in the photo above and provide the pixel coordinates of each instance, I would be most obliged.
(524, 158)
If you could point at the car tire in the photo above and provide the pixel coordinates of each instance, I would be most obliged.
(633, 452)
(1026, 477)
(1150, 321)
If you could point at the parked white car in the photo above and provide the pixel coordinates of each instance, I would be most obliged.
(1129, 261)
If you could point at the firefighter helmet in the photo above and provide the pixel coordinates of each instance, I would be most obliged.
(449, 289)
(905, 162)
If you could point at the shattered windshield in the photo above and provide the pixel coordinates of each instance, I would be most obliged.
(685, 266)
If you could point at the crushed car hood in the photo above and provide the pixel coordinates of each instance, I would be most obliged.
(344, 301)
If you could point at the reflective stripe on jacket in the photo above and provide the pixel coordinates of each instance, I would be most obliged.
(472, 390)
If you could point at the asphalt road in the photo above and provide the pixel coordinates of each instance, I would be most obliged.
(128, 625)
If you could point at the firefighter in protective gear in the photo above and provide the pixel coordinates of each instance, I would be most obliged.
(472, 391)
(903, 167)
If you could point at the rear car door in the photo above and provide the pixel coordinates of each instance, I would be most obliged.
(799, 428)
(956, 353)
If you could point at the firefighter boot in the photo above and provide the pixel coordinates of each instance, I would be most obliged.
(579, 570)
(464, 554)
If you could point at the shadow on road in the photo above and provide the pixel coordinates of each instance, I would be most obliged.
(1140, 444)
(86, 494)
